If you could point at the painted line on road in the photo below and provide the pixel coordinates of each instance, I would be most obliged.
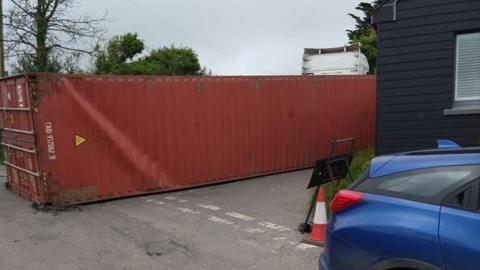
(220, 220)
(235, 215)
(210, 207)
(254, 230)
(188, 211)
(305, 246)
(274, 226)
(240, 216)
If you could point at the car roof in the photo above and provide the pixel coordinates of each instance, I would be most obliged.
(402, 162)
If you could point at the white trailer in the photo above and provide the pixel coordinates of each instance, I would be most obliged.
(347, 60)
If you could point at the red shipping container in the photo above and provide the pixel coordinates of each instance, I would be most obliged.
(71, 139)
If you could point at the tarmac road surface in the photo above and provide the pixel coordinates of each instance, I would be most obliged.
(242, 225)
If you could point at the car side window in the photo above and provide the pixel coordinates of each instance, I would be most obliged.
(466, 198)
(430, 185)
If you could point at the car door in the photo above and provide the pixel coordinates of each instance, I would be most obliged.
(459, 228)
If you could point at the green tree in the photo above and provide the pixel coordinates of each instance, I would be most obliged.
(69, 64)
(27, 63)
(119, 50)
(364, 33)
(122, 56)
(174, 61)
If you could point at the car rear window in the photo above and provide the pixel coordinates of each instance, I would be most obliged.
(427, 185)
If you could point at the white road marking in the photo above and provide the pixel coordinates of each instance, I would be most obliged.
(279, 238)
(188, 211)
(183, 201)
(274, 226)
(171, 198)
(253, 230)
(210, 207)
(221, 220)
(305, 246)
(159, 203)
(240, 216)
(150, 200)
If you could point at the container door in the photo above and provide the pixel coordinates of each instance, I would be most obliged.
(18, 139)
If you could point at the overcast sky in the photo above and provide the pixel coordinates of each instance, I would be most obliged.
(232, 37)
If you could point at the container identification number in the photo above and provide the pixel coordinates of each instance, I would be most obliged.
(50, 141)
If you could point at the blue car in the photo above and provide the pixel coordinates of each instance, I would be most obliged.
(410, 211)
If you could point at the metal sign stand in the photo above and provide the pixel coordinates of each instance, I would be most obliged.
(306, 227)
(345, 158)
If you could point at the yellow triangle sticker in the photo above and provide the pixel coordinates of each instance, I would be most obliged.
(79, 140)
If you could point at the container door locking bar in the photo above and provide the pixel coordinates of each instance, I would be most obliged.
(19, 131)
(30, 151)
(37, 174)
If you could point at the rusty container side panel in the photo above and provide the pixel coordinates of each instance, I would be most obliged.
(18, 139)
(107, 137)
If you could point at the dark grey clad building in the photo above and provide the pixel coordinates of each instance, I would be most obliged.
(428, 73)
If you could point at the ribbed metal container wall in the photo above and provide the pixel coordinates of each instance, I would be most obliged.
(75, 139)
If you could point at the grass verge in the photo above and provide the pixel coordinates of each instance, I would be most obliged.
(361, 161)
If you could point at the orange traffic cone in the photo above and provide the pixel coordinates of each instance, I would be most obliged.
(317, 237)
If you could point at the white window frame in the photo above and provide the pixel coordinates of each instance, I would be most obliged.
(474, 98)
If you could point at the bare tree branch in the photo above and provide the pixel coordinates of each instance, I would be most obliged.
(45, 29)
(22, 7)
(54, 5)
(65, 48)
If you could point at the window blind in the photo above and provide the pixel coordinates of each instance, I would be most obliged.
(468, 67)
